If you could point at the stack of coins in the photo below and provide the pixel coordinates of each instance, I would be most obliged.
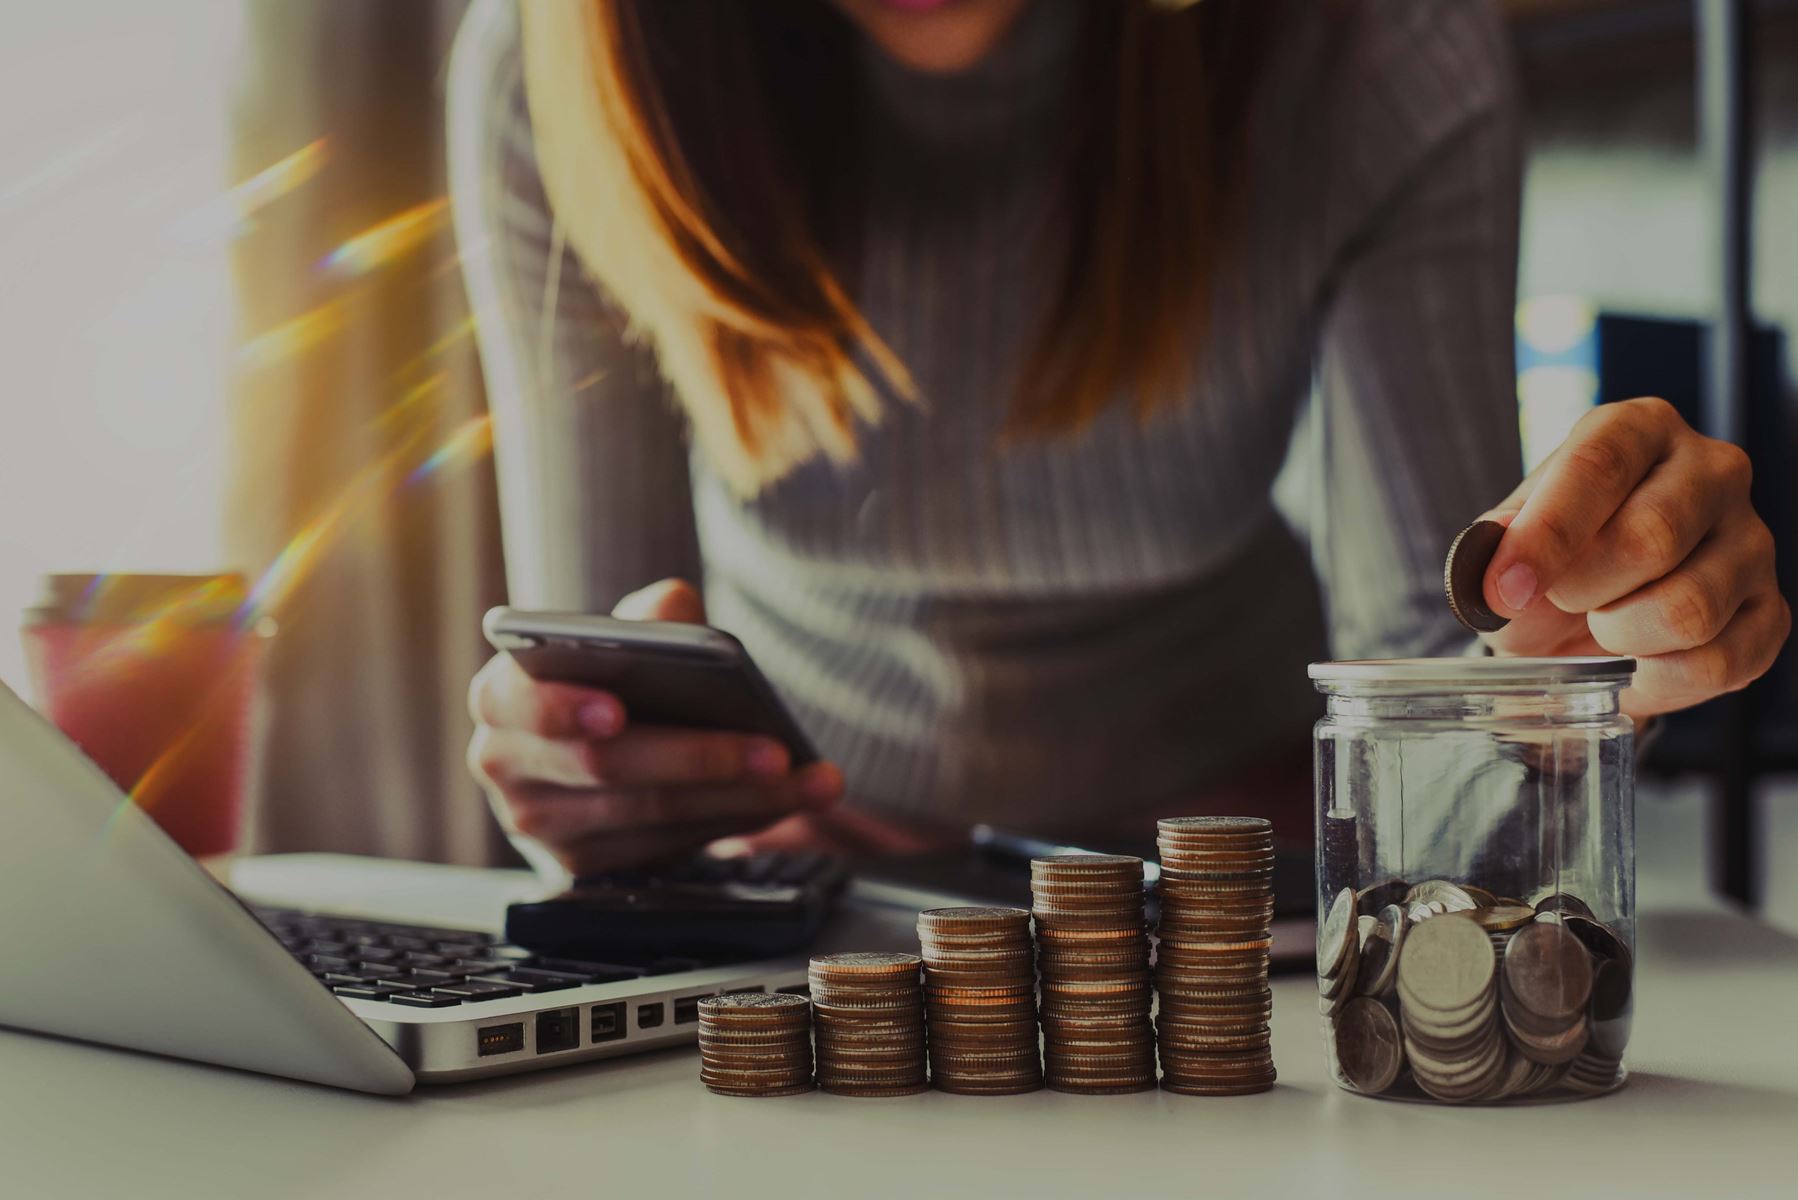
(1212, 961)
(980, 1000)
(1449, 1010)
(869, 1015)
(755, 1044)
(1093, 952)
(1544, 989)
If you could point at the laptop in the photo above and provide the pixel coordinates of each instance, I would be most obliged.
(113, 934)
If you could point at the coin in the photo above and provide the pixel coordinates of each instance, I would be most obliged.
(1548, 972)
(1377, 972)
(1561, 902)
(1500, 917)
(1451, 897)
(1369, 1051)
(1335, 937)
(1464, 576)
(1446, 965)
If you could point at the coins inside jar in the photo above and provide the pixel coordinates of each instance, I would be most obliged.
(1478, 1004)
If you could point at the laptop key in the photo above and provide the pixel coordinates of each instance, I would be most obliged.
(591, 972)
(460, 949)
(415, 959)
(424, 1000)
(424, 979)
(328, 962)
(376, 953)
(400, 941)
(535, 981)
(369, 991)
(333, 978)
(476, 989)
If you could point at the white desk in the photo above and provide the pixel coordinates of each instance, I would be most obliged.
(1712, 1110)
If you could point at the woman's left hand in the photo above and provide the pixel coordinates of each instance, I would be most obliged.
(1636, 537)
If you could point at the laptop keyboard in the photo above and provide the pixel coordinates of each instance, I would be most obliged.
(417, 966)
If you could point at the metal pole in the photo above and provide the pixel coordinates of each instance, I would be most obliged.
(1723, 95)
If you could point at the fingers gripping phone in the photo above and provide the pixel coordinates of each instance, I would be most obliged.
(663, 672)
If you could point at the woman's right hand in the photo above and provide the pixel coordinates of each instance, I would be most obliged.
(563, 764)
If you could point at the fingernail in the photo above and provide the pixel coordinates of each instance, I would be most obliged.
(600, 717)
(822, 782)
(1517, 586)
(767, 758)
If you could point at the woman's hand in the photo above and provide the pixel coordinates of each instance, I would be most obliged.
(1636, 537)
(563, 764)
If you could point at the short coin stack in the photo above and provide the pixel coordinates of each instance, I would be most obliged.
(1211, 965)
(869, 1015)
(1545, 985)
(1449, 1010)
(755, 1044)
(1093, 953)
(980, 1000)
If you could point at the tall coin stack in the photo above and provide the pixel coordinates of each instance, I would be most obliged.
(1093, 953)
(980, 1000)
(869, 1015)
(755, 1044)
(1217, 904)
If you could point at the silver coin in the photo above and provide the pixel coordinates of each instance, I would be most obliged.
(1369, 1050)
(1377, 972)
(1447, 966)
(1547, 972)
(1335, 939)
(1452, 897)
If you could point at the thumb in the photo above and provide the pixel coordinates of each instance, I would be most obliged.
(666, 600)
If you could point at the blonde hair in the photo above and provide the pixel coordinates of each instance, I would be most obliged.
(691, 196)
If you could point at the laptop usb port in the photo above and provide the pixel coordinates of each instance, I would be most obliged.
(686, 1009)
(607, 1024)
(650, 1015)
(500, 1039)
(558, 1029)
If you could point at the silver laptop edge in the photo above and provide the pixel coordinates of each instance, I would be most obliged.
(114, 935)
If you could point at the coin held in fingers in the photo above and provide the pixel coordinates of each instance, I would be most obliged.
(1464, 576)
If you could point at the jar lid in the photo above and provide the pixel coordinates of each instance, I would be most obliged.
(1476, 671)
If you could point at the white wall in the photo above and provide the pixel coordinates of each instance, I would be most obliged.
(115, 306)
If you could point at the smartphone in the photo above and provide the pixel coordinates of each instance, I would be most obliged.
(663, 672)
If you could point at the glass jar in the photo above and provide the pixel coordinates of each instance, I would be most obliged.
(1476, 871)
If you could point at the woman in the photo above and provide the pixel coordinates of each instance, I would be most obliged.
(956, 345)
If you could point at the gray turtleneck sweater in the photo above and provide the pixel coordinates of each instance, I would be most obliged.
(1060, 634)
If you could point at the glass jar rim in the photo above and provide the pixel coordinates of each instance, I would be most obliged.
(1475, 672)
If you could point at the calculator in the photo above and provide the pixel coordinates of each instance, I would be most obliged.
(715, 910)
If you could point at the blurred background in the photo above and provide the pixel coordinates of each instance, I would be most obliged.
(235, 337)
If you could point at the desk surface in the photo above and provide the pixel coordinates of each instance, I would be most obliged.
(1711, 1109)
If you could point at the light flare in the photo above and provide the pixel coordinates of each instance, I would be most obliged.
(388, 240)
(294, 337)
(233, 213)
(469, 444)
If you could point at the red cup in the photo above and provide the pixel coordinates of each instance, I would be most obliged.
(156, 678)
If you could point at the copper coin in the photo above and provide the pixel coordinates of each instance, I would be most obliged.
(1464, 576)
